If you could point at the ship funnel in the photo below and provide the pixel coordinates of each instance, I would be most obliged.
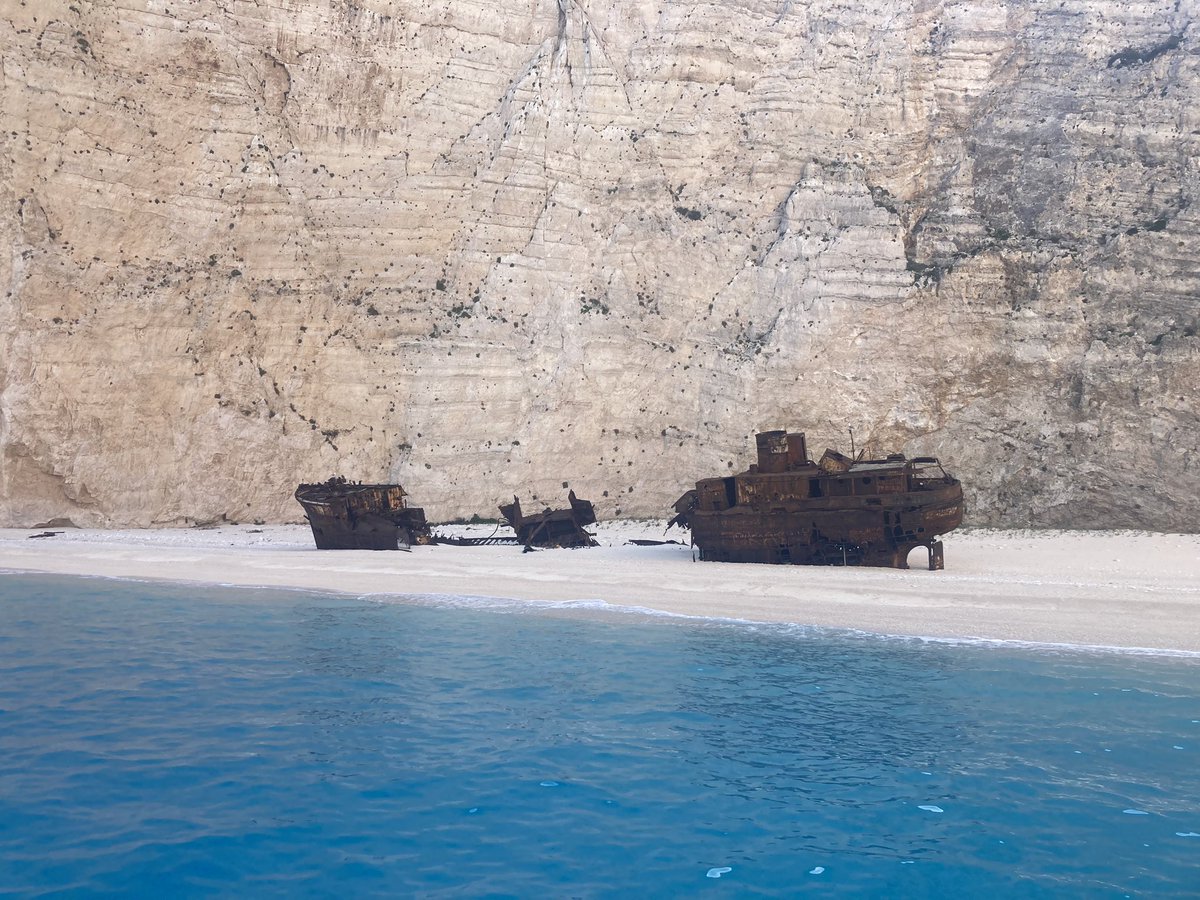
(772, 451)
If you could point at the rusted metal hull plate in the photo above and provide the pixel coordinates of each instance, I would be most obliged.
(552, 527)
(346, 516)
(870, 536)
(787, 509)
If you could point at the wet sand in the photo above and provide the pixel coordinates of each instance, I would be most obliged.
(1111, 589)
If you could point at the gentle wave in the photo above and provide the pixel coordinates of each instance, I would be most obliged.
(451, 601)
(798, 628)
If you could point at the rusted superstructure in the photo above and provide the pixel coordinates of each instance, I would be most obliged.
(349, 516)
(552, 527)
(837, 511)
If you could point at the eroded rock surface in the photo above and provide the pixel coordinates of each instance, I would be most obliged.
(486, 249)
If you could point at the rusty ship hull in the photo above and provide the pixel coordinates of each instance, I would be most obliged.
(790, 510)
(347, 516)
(553, 527)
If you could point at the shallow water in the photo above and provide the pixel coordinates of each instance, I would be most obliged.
(172, 739)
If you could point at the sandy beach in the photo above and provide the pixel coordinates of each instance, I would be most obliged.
(1110, 589)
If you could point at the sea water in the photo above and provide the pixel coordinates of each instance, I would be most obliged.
(182, 741)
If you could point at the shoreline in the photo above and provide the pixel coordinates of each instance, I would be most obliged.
(1131, 591)
(603, 606)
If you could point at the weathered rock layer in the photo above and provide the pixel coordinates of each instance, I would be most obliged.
(487, 249)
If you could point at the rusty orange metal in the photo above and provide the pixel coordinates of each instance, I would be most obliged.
(349, 516)
(836, 511)
(552, 527)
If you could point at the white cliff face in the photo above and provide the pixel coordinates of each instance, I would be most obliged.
(489, 249)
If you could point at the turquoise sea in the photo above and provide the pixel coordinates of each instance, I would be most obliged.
(170, 740)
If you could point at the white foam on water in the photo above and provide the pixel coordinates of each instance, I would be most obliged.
(1135, 812)
(816, 870)
(1187, 834)
(1039, 646)
(548, 783)
(931, 808)
(794, 628)
(718, 872)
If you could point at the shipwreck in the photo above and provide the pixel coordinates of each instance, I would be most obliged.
(552, 527)
(345, 515)
(836, 511)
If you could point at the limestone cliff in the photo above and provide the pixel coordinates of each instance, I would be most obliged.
(487, 249)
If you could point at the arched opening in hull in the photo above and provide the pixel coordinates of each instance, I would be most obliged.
(927, 556)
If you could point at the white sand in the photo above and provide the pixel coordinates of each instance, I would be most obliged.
(1130, 590)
